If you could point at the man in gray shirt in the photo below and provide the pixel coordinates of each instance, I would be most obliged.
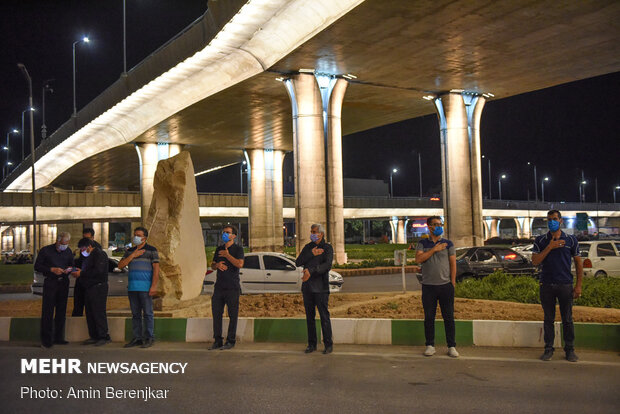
(438, 259)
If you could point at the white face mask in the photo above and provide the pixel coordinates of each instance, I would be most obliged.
(85, 253)
(62, 247)
(137, 240)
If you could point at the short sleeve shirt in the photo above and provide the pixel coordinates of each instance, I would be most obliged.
(141, 269)
(229, 278)
(436, 270)
(557, 264)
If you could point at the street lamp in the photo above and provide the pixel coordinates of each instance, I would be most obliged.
(499, 183)
(84, 40)
(543, 187)
(582, 191)
(616, 188)
(489, 162)
(243, 163)
(31, 109)
(7, 149)
(394, 171)
(535, 182)
(46, 88)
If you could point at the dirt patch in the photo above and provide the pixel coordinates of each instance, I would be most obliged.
(356, 305)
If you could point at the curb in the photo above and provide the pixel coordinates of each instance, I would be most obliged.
(15, 289)
(598, 336)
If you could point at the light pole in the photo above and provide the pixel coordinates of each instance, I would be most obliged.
(243, 163)
(31, 109)
(85, 40)
(543, 187)
(616, 188)
(394, 171)
(582, 191)
(535, 182)
(124, 39)
(32, 162)
(489, 162)
(46, 88)
(499, 183)
(7, 149)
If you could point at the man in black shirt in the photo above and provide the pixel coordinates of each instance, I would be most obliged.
(94, 280)
(55, 262)
(78, 290)
(228, 259)
(316, 257)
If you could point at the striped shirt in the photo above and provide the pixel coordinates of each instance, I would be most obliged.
(141, 269)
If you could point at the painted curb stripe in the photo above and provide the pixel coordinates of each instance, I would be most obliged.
(597, 336)
(283, 330)
(411, 332)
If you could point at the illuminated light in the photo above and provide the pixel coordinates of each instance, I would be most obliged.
(15, 131)
(349, 76)
(244, 48)
(280, 79)
(5, 148)
(306, 70)
(546, 179)
(9, 163)
(457, 90)
(428, 97)
(510, 256)
(85, 39)
(490, 94)
(435, 198)
(219, 167)
(418, 225)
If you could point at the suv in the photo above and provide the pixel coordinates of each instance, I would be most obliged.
(601, 258)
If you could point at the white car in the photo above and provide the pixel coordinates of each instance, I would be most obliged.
(268, 272)
(525, 250)
(601, 258)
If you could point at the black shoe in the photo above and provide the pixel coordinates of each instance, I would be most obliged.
(46, 346)
(571, 356)
(310, 349)
(546, 356)
(227, 345)
(89, 341)
(328, 350)
(61, 342)
(103, 342)
(132, 343)
(216, 345)
(148, 342)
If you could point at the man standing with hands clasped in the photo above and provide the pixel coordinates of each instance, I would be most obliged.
(227, 260)
(438, 258)
(316, 257)
(555, 251)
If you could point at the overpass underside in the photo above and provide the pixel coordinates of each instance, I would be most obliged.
(252, 80)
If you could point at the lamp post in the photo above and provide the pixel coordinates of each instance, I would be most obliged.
(7, 149)
(124, 39)
(46, 88)
(489, 162)
(543, 187)
(499, 183)
(582, 191)
(32, 162)
(31, 109)
(394, 171)
(535, 182)
(616, 188)
(243, 163)
(85, 40)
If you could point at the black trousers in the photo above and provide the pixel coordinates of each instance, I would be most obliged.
(444, 294)
(96, 317)
(320, 301)
(230, 298)
(79, 294)
(564, 294)
(55, 293)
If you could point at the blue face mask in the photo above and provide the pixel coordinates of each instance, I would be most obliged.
(438, 231)
(553, 225)
(225, 237)
(314, 237)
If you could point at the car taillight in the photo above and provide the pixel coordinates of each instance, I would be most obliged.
(587, 263)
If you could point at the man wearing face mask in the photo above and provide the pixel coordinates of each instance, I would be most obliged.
(227, 260)
(93, 276)
(78, 290)
(55, 262)
(143, 261)
(438, 258)
(316, 257)
(555, 250)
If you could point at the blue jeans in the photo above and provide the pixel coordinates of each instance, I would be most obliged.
(141, 309)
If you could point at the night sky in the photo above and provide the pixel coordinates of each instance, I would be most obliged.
(562, 130)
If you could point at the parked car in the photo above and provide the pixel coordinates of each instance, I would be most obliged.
(117, 280)
(601, 258)
(525, 250)
(478, 262)
(267, 272)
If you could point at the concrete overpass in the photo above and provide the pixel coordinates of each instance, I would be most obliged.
(213, 91)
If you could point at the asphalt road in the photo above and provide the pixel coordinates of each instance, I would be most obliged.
(280, 378)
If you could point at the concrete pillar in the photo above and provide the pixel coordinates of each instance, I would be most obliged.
(494, 227)
(527, 228)
(19, 241)
(401, 237)
(519, 228)
(459, 124)
(394, 229)
(265, 200)
(308, 153)
(102, 233)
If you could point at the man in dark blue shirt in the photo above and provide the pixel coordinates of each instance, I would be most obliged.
(555, 250)
(55, 262)
(316, 257)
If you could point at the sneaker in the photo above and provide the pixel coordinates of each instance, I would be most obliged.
(452, 352)
(148, 342)
(133, 342)
(571, 356)
(546, 356)
(89, 341)
(216, 345)
(429, 351)
(227, 345)
(103, 342)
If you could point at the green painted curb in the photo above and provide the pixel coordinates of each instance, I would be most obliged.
(597, 336)
(25, 329)
(283, 330)
(411, 332)
(166, 329)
